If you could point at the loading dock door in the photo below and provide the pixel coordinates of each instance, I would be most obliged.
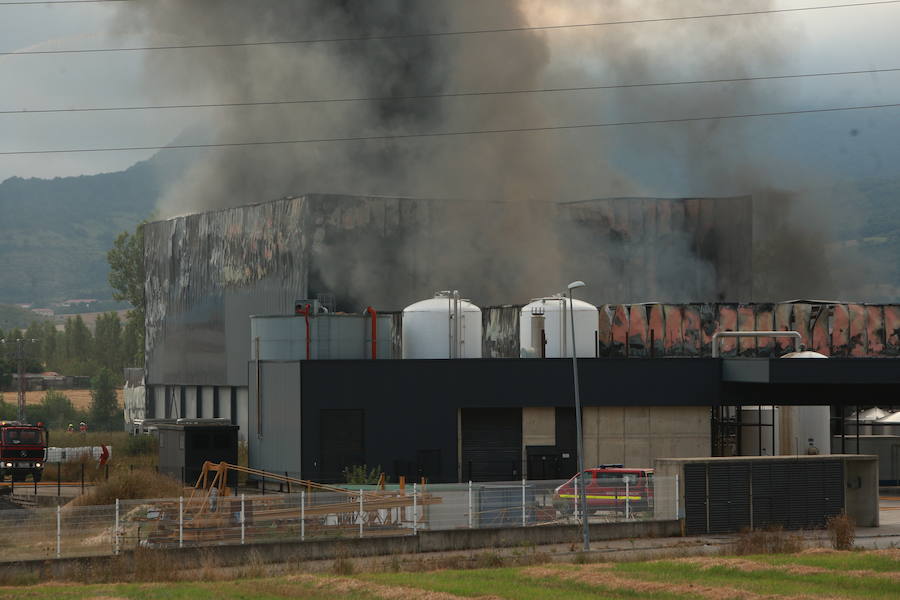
(342, 445)
(491, 444)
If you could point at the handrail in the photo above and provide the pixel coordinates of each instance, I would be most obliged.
(720, 334)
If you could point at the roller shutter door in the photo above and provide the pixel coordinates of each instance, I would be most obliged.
(491, 444)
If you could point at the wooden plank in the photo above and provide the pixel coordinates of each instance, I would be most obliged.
(746, 322)
(691, 329)
(821, 336)
(657, 329)
(619, 346)
(604, 330)
(892, 329)
(727, 321)
(638, 332)
(858, 344)
(765, 320)
(674, 342)
(840, 330)
(875, 341)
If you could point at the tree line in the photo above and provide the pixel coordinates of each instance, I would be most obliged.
(74, 350)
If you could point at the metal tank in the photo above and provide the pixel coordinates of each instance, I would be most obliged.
(445, 326)
(800, 424)
(756, 440)
(889, 424)
(870, 421)
(545, 329)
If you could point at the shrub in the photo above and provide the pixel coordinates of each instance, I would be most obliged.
(842, 529)
(138, 445)
(130, 485)
(360, 475)
(767, 541)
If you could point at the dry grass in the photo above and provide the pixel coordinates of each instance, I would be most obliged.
(130, 485)
(842, 530)
(766, 541)
(81, 399)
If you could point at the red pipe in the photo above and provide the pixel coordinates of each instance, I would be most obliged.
(374, 316)
(306, 316)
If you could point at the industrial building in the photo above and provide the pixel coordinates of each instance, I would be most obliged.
(259, 315)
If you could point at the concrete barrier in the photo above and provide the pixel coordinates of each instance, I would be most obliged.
(425, 541)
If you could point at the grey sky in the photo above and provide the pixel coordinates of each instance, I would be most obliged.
(843, 145)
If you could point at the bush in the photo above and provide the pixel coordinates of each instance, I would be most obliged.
(842, 529)
(139, 445)
(767, 541)
(131, 485)
(360, 475)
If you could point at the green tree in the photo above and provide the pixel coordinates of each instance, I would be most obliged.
(58, 409)
(104, 410)
(108, 342)
(127, 277)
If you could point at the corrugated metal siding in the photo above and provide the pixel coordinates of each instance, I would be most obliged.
(276, 445)
(207, 273)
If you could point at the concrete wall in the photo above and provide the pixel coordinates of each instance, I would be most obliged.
(637, 435)
(885, 447)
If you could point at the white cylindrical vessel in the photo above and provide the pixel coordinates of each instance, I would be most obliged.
(551, 315)
(445, 326)
(803, 427)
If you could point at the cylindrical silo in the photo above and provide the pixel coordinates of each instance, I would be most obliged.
(445, 326)
(551, 315)
(804, 427)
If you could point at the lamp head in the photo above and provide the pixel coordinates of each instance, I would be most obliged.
(575, 284)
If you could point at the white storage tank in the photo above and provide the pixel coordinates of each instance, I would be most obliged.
(445, 326)
(551, 315)
(800, 424)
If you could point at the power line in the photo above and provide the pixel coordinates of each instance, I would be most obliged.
(407, 36)
(450, 94)
(48, 2)
(405, 136)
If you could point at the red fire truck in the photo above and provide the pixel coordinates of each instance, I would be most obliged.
(23, 450)
(606, 489)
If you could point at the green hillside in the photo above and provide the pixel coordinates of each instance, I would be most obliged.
(55, 233)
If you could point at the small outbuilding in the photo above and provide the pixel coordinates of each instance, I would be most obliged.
(185, 444)
(728, 494)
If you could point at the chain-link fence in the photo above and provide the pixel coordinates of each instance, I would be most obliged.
(363, 511)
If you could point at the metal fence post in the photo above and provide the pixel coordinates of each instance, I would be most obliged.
(302, 515)
(415, 510)
(58, 531)
(243, 520)
(627, 500)
(523, 503)
(575, 499)
(181, 521)
(57, 480)
(360, 513)
(677, 493)
(470, 505)
(116, 531)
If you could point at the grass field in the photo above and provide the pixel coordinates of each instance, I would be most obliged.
(81, 399)
(809, 575)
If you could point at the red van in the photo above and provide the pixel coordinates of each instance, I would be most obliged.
(609, 487)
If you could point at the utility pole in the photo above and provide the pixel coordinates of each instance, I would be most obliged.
(20, 363)
(20, 356)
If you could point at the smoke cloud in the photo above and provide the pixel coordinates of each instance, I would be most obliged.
(525, 243)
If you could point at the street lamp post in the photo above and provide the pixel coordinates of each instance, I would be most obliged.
(582, 499)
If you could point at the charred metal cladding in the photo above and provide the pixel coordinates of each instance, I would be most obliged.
(207, 273)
